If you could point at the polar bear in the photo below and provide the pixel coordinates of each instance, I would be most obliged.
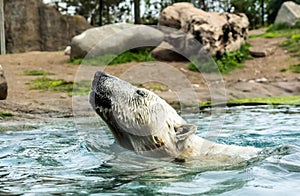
(143, 122)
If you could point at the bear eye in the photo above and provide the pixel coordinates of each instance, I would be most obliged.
(141, 93)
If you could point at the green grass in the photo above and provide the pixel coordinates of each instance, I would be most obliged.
(6, 114)
(48, 84)
(133, 56)
(283, 70)
(76, 61)
(60, 85)
(282, 26)
(280, 30)
(158, 88)
(266, 35)
(295, 37)
(37, 73)
(295, 68)
(287, 100)
(292, 46)
(225, 64)
(136, 55)
(292, 35)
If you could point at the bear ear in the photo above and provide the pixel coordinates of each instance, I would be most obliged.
(184, 131)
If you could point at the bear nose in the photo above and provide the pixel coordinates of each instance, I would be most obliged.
(99, 78)
(100, 74)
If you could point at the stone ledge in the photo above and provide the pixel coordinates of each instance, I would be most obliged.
(262, 51)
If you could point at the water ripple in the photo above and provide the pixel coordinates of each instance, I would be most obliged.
(58, 159)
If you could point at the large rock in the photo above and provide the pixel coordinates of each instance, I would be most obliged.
(262, 51)
(3, 85)
(217, 32)
(31, 25)
(289, 13)
(113, 39)
(166, 52)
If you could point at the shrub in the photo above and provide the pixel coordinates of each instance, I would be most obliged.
(225, 63)
(277, 27)
(282, 26)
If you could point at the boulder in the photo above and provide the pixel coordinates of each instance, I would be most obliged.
(166, 52)
(289, 13)
(262, 51)
(32, 25)
(67, 50)
(216, 32)
(114, 39)
(3, 85)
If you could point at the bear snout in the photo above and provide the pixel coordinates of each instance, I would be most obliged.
(99, 78)
(100, 74)
(99, 100)
(100, 95)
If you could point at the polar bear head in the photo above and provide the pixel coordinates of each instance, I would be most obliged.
(138, 118)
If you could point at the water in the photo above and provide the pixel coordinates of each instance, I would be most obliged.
(56, 159)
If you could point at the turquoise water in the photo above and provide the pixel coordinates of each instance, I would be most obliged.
(56, 158)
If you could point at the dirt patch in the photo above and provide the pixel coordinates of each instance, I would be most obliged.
(26, 103)
(260, 77)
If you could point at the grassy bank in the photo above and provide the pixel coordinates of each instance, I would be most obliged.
(291, 35)
(288, 100)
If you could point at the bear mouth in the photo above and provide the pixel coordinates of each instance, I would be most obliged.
(99, 100)
(99, 97)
